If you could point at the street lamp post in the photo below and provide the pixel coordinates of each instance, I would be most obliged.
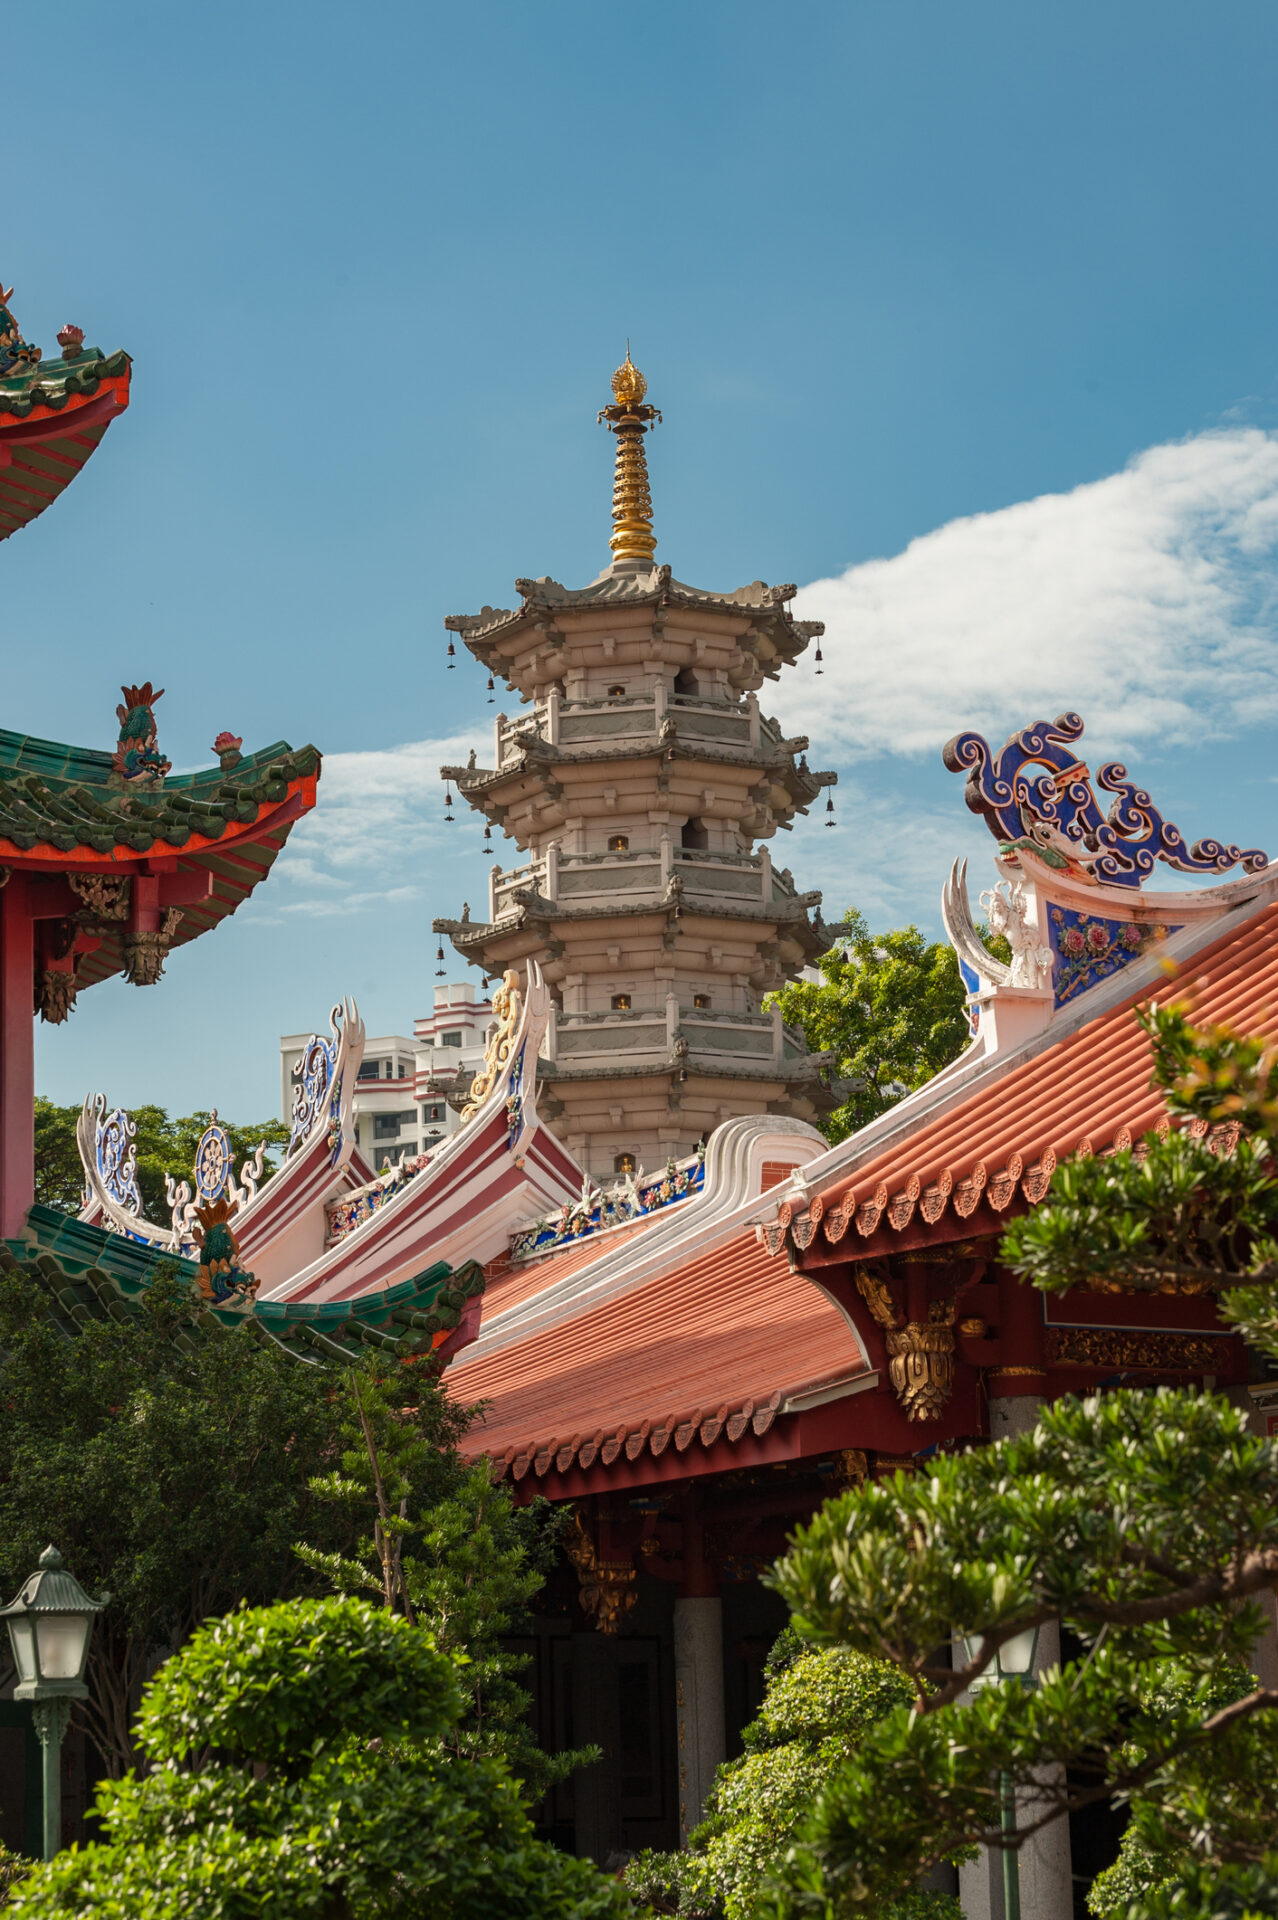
(49, 1627)
(1014, 1660)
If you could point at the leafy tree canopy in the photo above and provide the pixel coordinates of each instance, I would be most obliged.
(818, 1704)
(890, 1006)
(299, 1766)
(170, 1467)
(1145, 1523)
(452, 1552)
(164, 1146)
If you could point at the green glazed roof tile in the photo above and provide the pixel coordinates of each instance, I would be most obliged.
(88, 1273)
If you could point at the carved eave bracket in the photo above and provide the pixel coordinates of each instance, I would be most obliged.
(609, 1588)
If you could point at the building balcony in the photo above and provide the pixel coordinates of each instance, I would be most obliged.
(588, 879)
(663, 1037)
(561, 725)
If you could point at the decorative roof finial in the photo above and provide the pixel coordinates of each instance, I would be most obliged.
(629, 418)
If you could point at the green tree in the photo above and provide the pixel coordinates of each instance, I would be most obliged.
(890, 1006)
(443, 1546)
(1145, 1522)
(299, 1766)
(59, 1177)
(817, 1706)
(170, 1467)
(164, 1146)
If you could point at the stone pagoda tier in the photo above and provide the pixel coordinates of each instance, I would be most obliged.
(637, 787)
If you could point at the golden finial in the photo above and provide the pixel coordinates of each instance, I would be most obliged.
(629, 418)
(628, 384)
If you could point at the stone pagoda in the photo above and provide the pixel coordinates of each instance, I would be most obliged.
(637, 786)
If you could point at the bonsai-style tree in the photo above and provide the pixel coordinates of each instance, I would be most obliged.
(817, 1705)
(299, 1767)
(1146, 1523)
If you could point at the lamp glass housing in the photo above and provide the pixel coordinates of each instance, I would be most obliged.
(22, 1640)
(62, 1640)
(1013, 1661)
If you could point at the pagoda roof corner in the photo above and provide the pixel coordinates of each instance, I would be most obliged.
(53, 414)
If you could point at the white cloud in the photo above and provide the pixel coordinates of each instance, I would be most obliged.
(379, 812)
(1147, 602)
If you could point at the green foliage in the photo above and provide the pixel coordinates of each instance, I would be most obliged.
(1174, 1214)
(1215, 1799)
(445, 1547)
(818, 1705)
(14, 1867)
(890, 1006)
(164, 1146)
(299, 1767)
(1205, 1890)
(171, 1470)
(59, 1177)
(1144, 1522)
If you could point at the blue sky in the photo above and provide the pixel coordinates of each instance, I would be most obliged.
(963, 318)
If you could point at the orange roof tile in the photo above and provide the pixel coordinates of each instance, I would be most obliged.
(1091, 1090)
(711, 1348)
(511, 1282)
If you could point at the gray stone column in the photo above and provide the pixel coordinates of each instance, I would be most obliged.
(1046, 1869)
(702, 1739)
(596, 1721)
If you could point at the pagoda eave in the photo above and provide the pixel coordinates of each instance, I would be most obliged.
(49, 427)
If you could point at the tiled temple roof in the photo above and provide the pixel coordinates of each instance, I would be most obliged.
(707, 1353)
(52, 416)
(61, 810)
(993, 1151)
(645, 587)
(88, 1273)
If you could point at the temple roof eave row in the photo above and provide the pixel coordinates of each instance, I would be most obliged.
(765, 608)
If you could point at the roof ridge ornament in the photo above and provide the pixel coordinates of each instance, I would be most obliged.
(630, 418)
(1054, 812)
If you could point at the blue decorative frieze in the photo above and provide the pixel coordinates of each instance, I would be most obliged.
(595, 1210)
(1087, 948)
(1036, 792)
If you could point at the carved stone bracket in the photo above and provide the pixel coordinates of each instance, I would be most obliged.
(609, 1588)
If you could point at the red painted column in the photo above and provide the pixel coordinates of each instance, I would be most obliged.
(17, 1058)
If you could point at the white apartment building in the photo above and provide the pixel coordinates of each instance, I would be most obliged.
(410, 1092)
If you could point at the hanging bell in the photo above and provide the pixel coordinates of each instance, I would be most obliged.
(488, 836)
(448, 804)
(819, 657)
(452, 661)
(439, 957)
(829, 811)
(490, 690)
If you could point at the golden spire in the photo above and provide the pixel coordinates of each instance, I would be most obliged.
(629, 419)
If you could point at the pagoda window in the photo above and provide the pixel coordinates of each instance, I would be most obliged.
(621, 1003)
(701, 1001)
(695, 836)
(616, 693)
(685, 681)
(624, 1163)
(619, 843)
